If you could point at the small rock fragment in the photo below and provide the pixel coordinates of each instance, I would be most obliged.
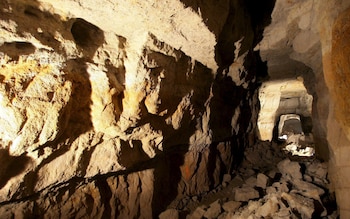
(303, 205)
(197, 214)
(270, 190)
(231, 206)
(272, 173)
(317, 169)
(246, 172)
(227, 178)
(169, 213)
(307, 178)
(245, 194)
(213, 211)
(281, 186)
(308, 189)
(268, 209)
(289, 169)
(261, 180)
(251, 181)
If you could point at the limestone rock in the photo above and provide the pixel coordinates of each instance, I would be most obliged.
(317, 169)
(89, 93)
(308, 189)
(268, 209)
(249, 211)
(245, 194)
(111, 109)
(170, 213)
(35, 99)
(197, 214)
(287, 197)
(290, 169)
(213, 211)
(262, 180)
(303, 205)
(251, 181)
(231, 206)
(281, 186)
(270, 190)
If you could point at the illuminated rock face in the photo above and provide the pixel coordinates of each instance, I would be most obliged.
(112, 110)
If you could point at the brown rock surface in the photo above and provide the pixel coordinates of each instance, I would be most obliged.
(114, 109)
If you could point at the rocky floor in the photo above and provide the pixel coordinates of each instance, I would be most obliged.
(269, 184)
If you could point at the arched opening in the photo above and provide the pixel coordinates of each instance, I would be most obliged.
(283, 105)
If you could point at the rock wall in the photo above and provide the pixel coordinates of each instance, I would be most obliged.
(336, 64)
(112, 109)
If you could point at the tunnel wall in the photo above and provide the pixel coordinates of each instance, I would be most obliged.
(116, 108)
(337, 71)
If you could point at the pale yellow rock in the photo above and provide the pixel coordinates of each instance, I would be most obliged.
(268, 209)
(172, 22)
(39, 94)
(105, 105)
(281, 97)
(101, 97)
(104, 158)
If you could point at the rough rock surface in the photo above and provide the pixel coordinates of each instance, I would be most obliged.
(290, 192)
(111, 109)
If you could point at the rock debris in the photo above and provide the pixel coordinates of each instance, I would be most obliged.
(268, 184)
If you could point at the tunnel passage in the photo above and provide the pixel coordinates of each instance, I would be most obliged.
(281, 97)
(92, 152)
(286, 109)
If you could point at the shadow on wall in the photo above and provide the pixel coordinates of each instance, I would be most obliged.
(183, 81)
(14, 49)
(11, 166)
(245, 22)
(226, 98)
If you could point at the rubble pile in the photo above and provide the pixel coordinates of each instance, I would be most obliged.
(267, 185)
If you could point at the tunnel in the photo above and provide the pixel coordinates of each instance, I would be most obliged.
(174, 109)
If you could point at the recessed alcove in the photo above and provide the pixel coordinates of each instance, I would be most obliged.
(281, 97)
